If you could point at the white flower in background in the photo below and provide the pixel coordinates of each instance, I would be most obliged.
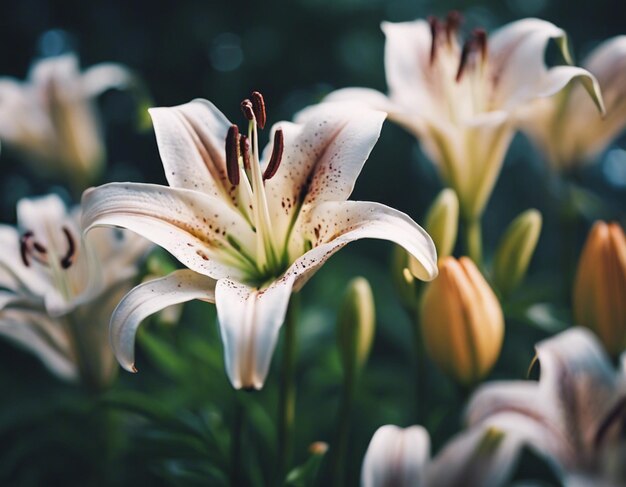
(575, 415)
(251, 229)
(567, 127)
(57, 291)
(461, 101)
(52, 120)
(480, 457)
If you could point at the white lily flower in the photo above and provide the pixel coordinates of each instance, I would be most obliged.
(57, 292)
(574, 415)
(462, 101)
(567, 128)
(250, 228)
(480, 457)
(52, 120)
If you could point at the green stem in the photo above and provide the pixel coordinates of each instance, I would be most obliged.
(236, 467)
(88, 363)
(338, 460)
(420, 371)
(287, 404)
(474, 240)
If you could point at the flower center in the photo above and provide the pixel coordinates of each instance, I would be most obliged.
(459, 71)
(243, 168)
(32, 250)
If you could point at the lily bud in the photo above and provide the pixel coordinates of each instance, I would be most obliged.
(462, 321)
(405, 284)
(600, 286)
(442, 222)
(515, 251)
(356, 326)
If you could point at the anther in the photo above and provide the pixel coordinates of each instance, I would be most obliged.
(244, 150)
(480, 40)
(258, 105)
(246, 109)
(68, 258)
(453, 22)
(435, 28)
(277, 155)
(24, 250)
(232, 155)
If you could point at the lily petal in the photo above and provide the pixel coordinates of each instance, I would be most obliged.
(188, 224)
(324, 153)
(332, 225)
(105, 76)
(250, 320)
(191, 143)
(396, 456)
(148, 298)
(518, 67)
(43, 337)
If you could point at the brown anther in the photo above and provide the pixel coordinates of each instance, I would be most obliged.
(258, 105)
(453, 22)
(39, 247)
(24, 249)
(277, 155)
(232, 154)
(68, 258)
(480, 40)
(435, 28)
(246, 109)
(244, 150)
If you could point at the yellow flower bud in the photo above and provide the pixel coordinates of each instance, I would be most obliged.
(600, 286)
(515, 251)
(405, 284)
(462, 321)
(355, 326)
(442, 222)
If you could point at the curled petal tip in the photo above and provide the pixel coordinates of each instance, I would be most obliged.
(133, 369)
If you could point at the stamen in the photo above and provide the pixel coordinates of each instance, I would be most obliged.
(232, 154)
(435, 28)
(453, 22)
(480, 39)
(467, 49)
(68, 259)
(277, 155)
(246, 109)
(244, 150)
(258, 105)
(24, 250)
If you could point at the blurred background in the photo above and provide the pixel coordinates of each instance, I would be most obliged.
(294, 53)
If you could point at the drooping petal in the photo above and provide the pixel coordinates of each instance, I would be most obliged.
(396, 457)
(483, 456)
(148, 298)
(332, 225)
(323, 155)
(250, 320)
(42, 336)
(196, 228)
(104, 76)
(191, 141)
(518, 70)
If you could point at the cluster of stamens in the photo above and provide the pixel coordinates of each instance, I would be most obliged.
(238, 145)
(32, 250)
(475, 44)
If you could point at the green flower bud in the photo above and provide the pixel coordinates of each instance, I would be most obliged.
(404, 283)
(356, 326)
(515, 250)
(442, 222)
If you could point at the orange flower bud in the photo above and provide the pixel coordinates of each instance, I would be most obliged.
(600, 286)
(462, 321)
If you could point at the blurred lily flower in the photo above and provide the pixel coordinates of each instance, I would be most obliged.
(567, 127)
(251, 228)
(57, 292)
(574, 415)
(599, 298)
(480, 457)
(462, 321)
(52, 120)
(461, 101)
